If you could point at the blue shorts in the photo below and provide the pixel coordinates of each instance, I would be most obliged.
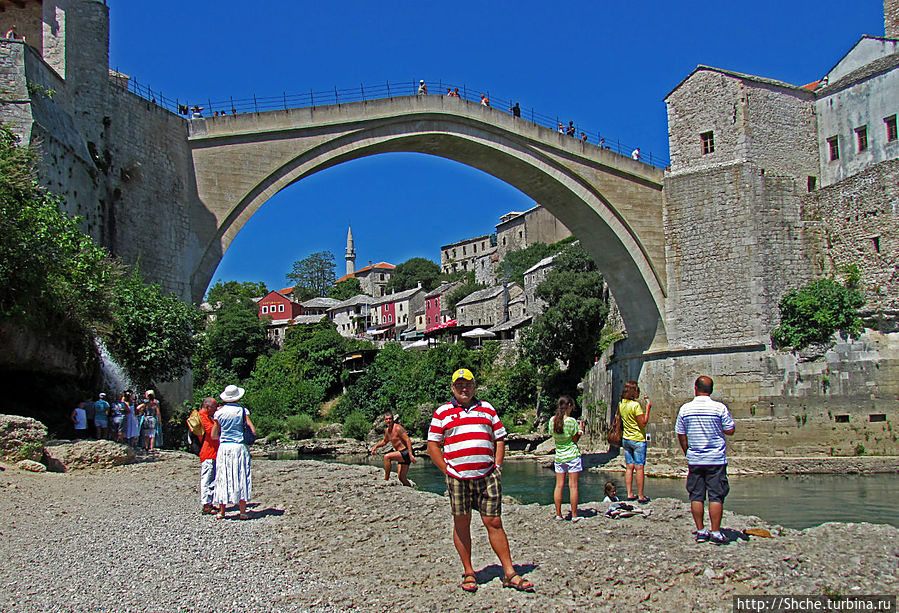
(634, 452)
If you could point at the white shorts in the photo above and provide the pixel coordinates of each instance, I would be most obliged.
(571, 466)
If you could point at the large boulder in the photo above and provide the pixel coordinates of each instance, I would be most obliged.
(21, 438)
(63, 456)
(31, 465)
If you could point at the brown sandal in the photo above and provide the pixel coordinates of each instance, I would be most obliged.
(470, 586)
(522, 585)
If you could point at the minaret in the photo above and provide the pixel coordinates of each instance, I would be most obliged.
(350, 253)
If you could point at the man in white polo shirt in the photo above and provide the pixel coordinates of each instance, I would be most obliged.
(701, 425)
(471, 436)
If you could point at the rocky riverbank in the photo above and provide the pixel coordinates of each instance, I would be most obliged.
(326, 537)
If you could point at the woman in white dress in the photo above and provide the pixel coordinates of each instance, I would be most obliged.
(233, 480)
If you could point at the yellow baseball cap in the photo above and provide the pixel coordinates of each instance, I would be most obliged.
(463, 373)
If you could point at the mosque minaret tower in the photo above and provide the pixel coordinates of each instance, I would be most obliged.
(350, 254)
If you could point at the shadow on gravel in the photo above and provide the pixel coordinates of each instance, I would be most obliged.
(734, 535)
(489, 573)
(266, 513)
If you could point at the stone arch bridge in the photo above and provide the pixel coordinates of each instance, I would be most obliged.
(612, 203)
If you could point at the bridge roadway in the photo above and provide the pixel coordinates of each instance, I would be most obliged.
(612, 203)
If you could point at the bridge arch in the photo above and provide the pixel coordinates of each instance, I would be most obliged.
(611, 203)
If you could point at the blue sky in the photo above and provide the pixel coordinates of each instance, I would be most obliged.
(605, 65)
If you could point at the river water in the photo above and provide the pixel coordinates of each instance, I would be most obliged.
(793, 501)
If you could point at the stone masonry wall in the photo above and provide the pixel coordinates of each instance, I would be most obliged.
(859, 218)
(121, 163)
(781, 131)
(783, 405)
(772, 126)
(735, 245)
(891, 18)
(706, 101)
(26, 18)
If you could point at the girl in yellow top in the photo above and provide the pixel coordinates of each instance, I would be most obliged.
(633, 440)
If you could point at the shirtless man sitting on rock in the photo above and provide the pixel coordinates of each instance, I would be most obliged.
(396, 435)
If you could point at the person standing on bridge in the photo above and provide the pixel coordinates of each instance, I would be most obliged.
(635, 154)
(485, 101)
(516, 110)
(422, 88)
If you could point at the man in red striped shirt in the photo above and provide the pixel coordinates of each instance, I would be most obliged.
(466, 442)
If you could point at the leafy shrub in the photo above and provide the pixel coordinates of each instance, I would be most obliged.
(812, 313)
(300, 426)
(357, 426)
(266, 425)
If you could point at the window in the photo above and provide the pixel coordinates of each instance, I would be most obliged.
(834, 144)
(280, 308)
(841, 419)
(877, 417)
(812, 183)
(454, 253)
(708, 142)
(474, 248)
(876, 241)
(463, 249)
(861, 137)
(891, 128)
(264, 310)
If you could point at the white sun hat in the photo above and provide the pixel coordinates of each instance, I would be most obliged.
(232, 393)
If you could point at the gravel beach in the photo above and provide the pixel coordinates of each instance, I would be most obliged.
(328, 537)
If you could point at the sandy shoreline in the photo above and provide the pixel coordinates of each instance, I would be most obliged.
(328, 537)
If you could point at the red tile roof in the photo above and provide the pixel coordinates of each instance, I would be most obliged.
(382, 265)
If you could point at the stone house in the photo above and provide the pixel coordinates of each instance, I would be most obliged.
(394, 312)
(352, 316)
(462, 255)
(319, 306)
(435, 312)
(533, 276)
(487, 307)
(517, 230)
(373, 278)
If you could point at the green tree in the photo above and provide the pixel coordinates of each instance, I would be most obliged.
(516, 262)
(571, 326)
(247, 289)
(813, 312)
(236, 337)
(152, 335)
(412, 272)
(44, 257)
(313, 274)
(346, 289)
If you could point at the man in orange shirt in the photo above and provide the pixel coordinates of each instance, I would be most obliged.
(208, 450)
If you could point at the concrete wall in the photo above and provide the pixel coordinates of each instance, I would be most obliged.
(859, 220)
(866, 50)
(841, 112)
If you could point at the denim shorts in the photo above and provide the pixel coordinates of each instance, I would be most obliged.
(634, 452)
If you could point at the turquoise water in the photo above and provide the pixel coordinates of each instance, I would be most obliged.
(793, 501)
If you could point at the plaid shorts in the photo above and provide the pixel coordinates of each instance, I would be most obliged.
(485, 494)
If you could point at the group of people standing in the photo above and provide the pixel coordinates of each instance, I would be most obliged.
(225, 465)
(127, 420)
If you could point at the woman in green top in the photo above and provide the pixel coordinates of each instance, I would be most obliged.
(633, 439)
(566, 432)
